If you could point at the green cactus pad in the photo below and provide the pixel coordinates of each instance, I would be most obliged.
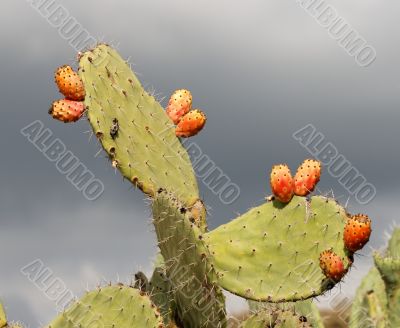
(133, 128)
(388, 266)
(199, 302)
(308, 309)
(394, 244)
(389, 269)
(160, 293)
(305, 308)
(3, 318)
(271, 253)
(111, 306)
(276, 319)
(370, 303)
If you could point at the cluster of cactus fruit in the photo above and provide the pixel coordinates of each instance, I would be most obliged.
(291, 248)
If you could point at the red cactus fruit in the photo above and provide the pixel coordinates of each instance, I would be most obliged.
(66, 110)
(332, 265)
(282, 184)
(69, 83)
(307, 177)
(357, 232)
(191, 124)
(179, 104)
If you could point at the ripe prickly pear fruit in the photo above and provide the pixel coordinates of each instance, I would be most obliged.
(307, 177)
(191, 124)
(69, 83)
(332, 265)
(179, 104)
(282, 184)
(66, 110)
(357, 232)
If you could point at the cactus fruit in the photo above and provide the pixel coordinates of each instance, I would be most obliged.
(146, 150)
(307, 177)
(179, 104)
(191, 124)
(357, 232)
(332, 265)
(282, 183)
(69, 83)
(111, 306)
(67, 110)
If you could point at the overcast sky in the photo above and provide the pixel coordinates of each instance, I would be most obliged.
(260, 70)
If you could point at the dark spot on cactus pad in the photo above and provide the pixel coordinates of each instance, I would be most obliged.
(303, 318)
(114, 128)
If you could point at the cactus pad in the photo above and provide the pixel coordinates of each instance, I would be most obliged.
(277, 319)
(305, 308)
(271, 253)
(133, 128)
(388, 266)
(199, 302)
(370, 302)
(160, 293)
(111, 306)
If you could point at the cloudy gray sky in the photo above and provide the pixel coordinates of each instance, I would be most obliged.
(259, 69)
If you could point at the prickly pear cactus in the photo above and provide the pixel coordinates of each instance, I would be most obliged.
(133, 128)
(377, 301)
(111, 306)
(272, 252)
